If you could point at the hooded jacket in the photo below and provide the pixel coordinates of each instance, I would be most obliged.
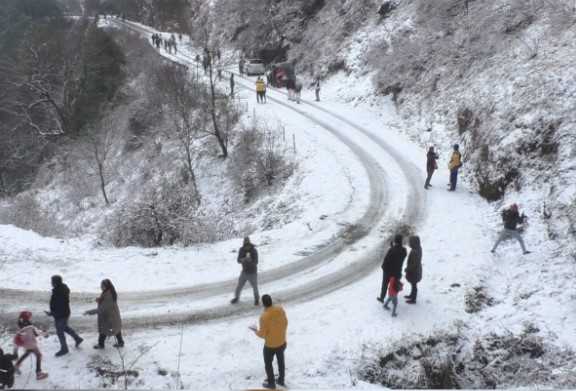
(273, 325)
(60, 302)
(393, 260)
(248, 258)
(414, 264)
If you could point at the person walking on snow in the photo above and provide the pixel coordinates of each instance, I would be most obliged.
(232, 85)
(511, 218)
(60, 311)
(273, 326)
(297, 91)
(414, 268)
(394, 286)
(392, 265)
(454, 165)
(431, 166)
(26, 337)
(109, 320)
(317, 89)
(248, 258)
(260, 90)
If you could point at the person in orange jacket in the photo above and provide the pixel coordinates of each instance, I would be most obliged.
(273, 325)
(454, 166)
(260, 90)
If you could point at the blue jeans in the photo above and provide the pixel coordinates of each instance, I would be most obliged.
(61, 328)
(453, 179)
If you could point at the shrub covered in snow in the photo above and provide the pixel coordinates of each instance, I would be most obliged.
(451, 361)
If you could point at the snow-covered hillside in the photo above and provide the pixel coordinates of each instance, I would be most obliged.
(492, 76)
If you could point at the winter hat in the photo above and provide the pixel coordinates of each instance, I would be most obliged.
(456, 146)
(25, 315)
(514, 206)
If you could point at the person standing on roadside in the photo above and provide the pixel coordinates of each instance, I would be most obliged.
(431, 166)
(392, 265)
(260, 90)
(248, 258)
(414, 268)
(454, 166)
(273, 326)
(232, 85)
(60, 311)
(317, 89)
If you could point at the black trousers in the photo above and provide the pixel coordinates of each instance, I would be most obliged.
(414, 291)
(385, 280)
(269, 354)
(102, 339)
(38, 355)
(429, 178)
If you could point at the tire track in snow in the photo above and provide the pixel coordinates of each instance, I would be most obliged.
(359, 269)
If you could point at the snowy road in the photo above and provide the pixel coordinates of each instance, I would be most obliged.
(312, 276)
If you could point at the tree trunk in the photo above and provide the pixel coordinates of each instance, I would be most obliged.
(217, 132)
(103, 183)
(192, 175)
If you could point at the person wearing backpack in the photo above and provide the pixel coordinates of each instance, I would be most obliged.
(394, 287)
(511, 218)
(454, 166)
(26, 337)
(248, 258)
(7, 369)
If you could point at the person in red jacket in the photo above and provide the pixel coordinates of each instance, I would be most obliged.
(394, 286)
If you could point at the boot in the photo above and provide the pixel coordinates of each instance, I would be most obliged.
(41, 375)
(234, 300)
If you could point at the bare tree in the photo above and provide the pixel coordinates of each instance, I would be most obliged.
(183, 97)
(100, 142)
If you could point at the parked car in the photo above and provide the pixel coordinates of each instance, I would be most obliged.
(254, 67)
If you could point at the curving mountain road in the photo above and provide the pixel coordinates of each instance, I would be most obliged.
(375, 216)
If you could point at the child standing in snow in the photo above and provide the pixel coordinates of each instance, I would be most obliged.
(394, 286)
(26, 337)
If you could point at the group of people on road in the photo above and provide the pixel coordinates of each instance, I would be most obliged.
(169, 44)
(392, 272)
(27, 334)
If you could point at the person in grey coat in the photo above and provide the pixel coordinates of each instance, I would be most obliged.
(109, 321)
(248, 258)
(414, 268)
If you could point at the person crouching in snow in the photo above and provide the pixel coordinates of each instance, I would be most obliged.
(26, 337)
(511, 218)
(394, 286)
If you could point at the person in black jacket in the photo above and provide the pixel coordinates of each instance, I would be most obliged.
(7, 369)
(60, 310)
(511, 218)
(248, 258)
(431, 166)
(392, 265)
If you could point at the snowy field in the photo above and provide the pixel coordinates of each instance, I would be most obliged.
(329, 336)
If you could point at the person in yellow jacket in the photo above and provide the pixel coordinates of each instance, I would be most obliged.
(273, 325)
(454, 166)
(260, 90)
